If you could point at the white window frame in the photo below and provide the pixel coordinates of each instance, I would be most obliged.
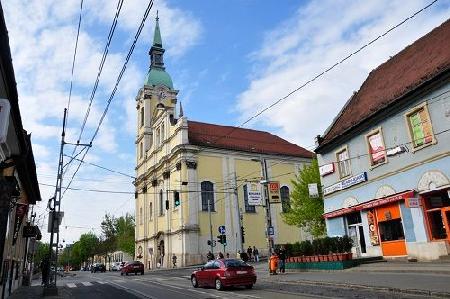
(347, 162)
(371, 133)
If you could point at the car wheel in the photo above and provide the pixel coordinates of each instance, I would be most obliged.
(249, 286)
(194, 281)
(142, 273)
(121, 273)
(218, 284)
(126, 273)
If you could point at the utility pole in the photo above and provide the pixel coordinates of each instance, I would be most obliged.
(210, 225)
(267, 202)
(55, 216)
(239, 230)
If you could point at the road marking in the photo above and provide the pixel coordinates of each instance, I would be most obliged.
(101, 282)
(120, 281)
(71, 285)
(86, 283)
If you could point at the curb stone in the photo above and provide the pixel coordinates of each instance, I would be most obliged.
(375, 288)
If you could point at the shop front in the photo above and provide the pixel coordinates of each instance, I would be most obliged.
(436, 206)
(384, 221)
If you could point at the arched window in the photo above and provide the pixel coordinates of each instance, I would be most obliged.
(141, 218)
(161, 203)
(285, 200)
(207, 195)
(248, 208)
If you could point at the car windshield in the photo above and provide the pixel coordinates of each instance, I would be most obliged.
(235, 263)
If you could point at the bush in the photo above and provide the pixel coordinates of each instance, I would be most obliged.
(305, 248)
(347, 243)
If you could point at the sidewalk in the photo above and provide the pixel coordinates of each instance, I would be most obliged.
(35, 292)
(412, 278)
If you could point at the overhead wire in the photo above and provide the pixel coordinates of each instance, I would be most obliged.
(100, 67)
(317, 76)
(74, 58)
(130, 52)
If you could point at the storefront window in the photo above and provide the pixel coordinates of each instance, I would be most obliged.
(391, 230)
(437, 225)
(437, 206)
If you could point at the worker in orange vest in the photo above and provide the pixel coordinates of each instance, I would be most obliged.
(273, 263)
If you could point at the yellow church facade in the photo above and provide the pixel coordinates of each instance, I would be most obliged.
(192, 180)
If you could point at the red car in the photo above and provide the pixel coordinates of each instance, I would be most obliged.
(224, 273)
(132, 267)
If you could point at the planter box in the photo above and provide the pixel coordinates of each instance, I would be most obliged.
(333, 265)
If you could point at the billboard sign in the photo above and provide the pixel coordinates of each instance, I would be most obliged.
(274, 192)
(254, 194)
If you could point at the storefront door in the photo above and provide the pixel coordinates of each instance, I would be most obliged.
(446, 217)
(390, 228)
(356, 232)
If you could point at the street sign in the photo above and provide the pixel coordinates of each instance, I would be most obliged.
(271, 231)
(222, 229)
(254, 194)
(313, 190)
(274, 192)
(413, 202)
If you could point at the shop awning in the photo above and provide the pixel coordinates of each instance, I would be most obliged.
(371, 204)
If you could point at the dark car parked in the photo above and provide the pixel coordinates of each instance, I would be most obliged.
(132, 267)
(224, 273)
(98, 268)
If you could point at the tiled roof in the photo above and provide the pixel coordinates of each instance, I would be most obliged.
(418, 63)
(234, 138)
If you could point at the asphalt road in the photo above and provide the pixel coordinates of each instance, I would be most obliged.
(176, 284)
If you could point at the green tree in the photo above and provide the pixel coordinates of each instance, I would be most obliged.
(306, 212)
(41, 251)
(125, 233)
(108, 240)
(89, 244)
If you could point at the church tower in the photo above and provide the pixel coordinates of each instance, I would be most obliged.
(156, 122)
(156, 101)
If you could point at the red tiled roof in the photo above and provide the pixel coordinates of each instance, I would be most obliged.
(240, 139)
(421, 61)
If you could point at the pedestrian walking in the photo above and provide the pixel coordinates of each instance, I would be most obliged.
(244, 256)
(210, 256)
(174, 260)
(282, 257)
(228, 255)
(273, 264)
(249, 252)
(44, 265)
(256, 254)
(220, 256)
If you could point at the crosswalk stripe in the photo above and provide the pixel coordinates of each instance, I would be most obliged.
(86, 283)
(101, 282)
(71, 285)
(117, 280)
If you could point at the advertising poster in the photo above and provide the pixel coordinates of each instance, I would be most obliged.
(373, 232)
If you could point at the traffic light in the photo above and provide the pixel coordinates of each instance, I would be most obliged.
(242, 234)
(176, 198)
(167, 204)
(222, 239)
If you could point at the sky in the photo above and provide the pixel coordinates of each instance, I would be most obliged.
(228, 59)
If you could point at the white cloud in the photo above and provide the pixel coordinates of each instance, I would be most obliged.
(313, 39)
(42, 48)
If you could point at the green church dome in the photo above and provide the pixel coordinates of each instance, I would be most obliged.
(157, 76)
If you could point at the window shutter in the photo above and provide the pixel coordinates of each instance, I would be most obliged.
(417, 132)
